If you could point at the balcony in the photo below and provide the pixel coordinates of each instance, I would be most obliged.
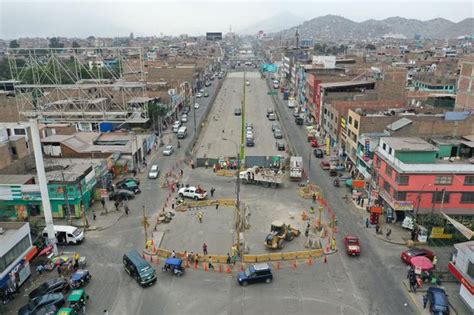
(397, 205)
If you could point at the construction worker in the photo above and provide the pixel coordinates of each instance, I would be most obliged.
(200, 216)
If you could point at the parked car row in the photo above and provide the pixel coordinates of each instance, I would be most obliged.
(126, 189)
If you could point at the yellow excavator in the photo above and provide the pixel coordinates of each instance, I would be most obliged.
(279, 233)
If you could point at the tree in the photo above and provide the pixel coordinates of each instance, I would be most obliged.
(55, 43)
(156, 112)
(75, 44)
(14, 44)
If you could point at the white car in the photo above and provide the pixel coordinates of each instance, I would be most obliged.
(184, 118)
(196, 106)
(169, 149)
(154, 172)
(199, 95)
(247, 83)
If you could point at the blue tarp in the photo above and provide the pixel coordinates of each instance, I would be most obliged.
(457, 115)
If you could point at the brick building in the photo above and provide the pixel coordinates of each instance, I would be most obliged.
(412, 174)
(465, 85)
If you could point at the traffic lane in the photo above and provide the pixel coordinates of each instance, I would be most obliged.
(299, 291)
(222, 122)
(349, 223)
(257, 103)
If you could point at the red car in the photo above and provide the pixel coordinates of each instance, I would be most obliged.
(325, 165)
(407, 255)
(352, 245)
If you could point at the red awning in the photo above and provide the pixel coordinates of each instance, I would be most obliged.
(31, 254)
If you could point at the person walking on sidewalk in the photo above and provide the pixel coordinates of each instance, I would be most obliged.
(367, 222)
(93, 215)
(204, 249)
(102, 201)
(116, 204)
(425, 301)
(228, 259)
(212, 191)
(314, 197)
(126, 209)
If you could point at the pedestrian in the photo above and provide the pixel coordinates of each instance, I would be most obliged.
(59, 271)
(181, 172)
(204, 248)
(377, 228)
(126, 210)
(367, 222)
(362, 202)
(389, 232)
(40, 269)
(314, 197)
(425, 301)
(435, 261)
(102, 201)
(228, 259)
(217, 206)
(173, 254)
(212, 191)
(196, 259)
(93, 215)
(200, 215)
(116, 204)
(191, 257)
(211, 266)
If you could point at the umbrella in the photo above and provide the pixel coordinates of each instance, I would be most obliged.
(46, 250)
(59, 260)
(422, 262)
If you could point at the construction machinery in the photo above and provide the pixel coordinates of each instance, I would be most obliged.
(279, 233)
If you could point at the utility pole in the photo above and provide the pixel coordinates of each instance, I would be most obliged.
(48, 216)
(309, 165)
(145, 224)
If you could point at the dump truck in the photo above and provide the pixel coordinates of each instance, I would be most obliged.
(296, 168)
(279, 233)
(261, 175)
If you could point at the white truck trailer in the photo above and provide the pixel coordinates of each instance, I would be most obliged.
(296, 168)
(260, 175)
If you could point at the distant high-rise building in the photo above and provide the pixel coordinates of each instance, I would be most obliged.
(465, 86)
(131, 35)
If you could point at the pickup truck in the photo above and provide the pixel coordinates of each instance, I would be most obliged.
(193, 193)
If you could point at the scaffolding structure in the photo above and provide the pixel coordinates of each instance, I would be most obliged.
(76, 85)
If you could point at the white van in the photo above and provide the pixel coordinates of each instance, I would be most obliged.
(66, 234)
(182, 132)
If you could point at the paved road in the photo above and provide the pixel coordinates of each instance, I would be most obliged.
(377, 274)
(365, 285)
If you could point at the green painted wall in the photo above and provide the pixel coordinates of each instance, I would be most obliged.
(416, 157)
(444, 150)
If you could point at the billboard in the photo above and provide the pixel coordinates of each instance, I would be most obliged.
(214, 36)
(269, 68)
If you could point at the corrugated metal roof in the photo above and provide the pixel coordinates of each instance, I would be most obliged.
(399, 124)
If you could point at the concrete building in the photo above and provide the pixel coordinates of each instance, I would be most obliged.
(462, 267)
(15, 148)
(412, 174)
(15, 253)
(465, 86)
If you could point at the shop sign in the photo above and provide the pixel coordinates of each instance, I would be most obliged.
(103, 193)
(438, 232)
(358, 184)
(467, 284)
(376, 209)
(397, 205)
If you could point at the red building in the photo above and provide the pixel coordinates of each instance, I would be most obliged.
(412, 174)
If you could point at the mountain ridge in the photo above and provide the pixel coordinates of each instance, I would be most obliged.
(337, 27)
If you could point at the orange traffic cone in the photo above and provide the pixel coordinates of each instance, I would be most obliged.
(196, 266)
(228, 269)
(206, 267)
(220, 267)
(310, 261)
(278, 265)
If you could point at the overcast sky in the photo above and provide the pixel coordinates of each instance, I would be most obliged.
(110, 18)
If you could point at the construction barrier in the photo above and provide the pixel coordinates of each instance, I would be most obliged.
(262, 258)
(302, 255)
(226, 173)
(275, 256)
(250, 258)
(289, 256)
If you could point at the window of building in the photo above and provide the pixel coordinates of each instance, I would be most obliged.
(13, 150)
(443, 180)
(386, 186)
(470, 270)
(332, 116)
(378, 162)
(400, 195)
(350, 120)
(467, 197)
(384, 147)
(356, 124)
(469, 180)
(403, 179)
(388, 170)
(14, 253)
(438, 197)
(20, 131)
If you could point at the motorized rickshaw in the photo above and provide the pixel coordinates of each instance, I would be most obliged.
(75, 303)
(175, 265)
(80, 278)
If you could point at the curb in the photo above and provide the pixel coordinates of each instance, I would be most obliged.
(102, 228)
(388, 241)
